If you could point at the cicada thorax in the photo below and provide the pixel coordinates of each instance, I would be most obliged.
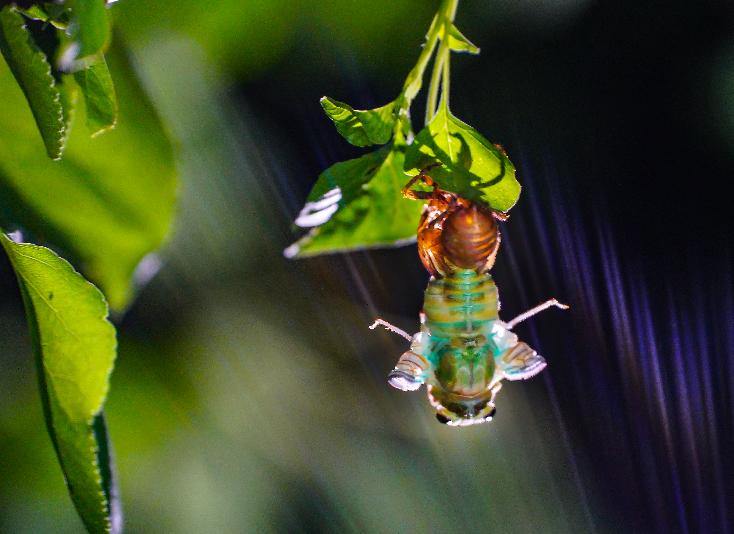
(457, 233)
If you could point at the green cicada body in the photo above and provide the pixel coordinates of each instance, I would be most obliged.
(463, 350)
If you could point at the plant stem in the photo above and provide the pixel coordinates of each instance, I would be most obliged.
(443, 58)
(446, 79)
(433, 87)
(414, 81)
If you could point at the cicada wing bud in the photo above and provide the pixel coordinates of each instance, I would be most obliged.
(521, 362)
(409, 372)
(403, 381)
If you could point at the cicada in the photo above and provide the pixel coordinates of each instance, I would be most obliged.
(463, 350)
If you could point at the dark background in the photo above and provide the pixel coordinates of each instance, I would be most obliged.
(249, 393)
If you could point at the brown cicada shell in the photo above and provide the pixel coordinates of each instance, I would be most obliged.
(454, 232)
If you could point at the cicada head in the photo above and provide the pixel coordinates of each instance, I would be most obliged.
(461, 410)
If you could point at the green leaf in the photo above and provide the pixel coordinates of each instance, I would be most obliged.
(361, 127)
(55, 14)
(69, 92)
(459, 43)
(470, 165)
(109, 202)
(99, 95)
(358, 204)
(89, 29)
(74, 346)
(33, 73)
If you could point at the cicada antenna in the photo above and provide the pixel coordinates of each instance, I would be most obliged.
(391, 327)
(533, 311)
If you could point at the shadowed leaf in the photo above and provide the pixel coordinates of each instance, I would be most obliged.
(470, 165)
(361, 127)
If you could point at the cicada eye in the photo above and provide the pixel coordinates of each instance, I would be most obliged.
(442, 418)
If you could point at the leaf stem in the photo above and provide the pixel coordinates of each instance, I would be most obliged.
(414, 80)
(433, 87)
(446, 78)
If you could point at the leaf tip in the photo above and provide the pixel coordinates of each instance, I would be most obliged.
(292, 251)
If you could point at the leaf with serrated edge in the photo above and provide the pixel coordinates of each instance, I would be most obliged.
(75, 348)
(109, 202)
(33, 74)
(459, 43)
(372, 211)
(99, 96)
(470, 165)
(361, 127)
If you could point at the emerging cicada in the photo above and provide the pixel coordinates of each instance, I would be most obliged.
(463, 350)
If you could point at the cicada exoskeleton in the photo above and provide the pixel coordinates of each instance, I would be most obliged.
(454, 232)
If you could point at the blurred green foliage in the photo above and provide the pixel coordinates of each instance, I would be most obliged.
(63, 204)
(108, 202)
(33, 73)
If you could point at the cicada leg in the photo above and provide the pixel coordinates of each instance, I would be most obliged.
(412, 367)
(422, 176)
(418, 195)
(533, 311)
(391, 327)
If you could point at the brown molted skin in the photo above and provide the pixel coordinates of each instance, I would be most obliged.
(470, 238)
(454, 232)
(430, 246)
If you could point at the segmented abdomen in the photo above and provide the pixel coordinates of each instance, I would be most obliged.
(463, 304)
(470, 238)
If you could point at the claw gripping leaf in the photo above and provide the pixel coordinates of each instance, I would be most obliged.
(470, 165)
(33, 73)
(75, 347)
(361, 127)
(358, 204)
